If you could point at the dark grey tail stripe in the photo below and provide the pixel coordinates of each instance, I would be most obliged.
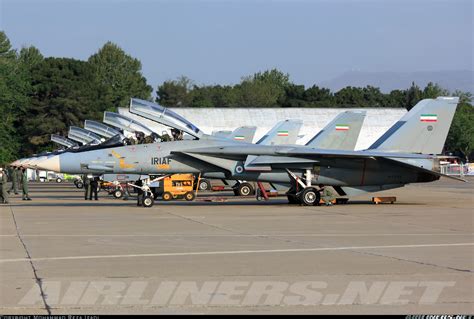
(395, 127)
(261, 140)
(314, 137)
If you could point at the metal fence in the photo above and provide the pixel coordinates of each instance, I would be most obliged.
(455, 169)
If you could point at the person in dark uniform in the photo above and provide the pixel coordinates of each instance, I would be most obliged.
(140, 193)
(94, 184)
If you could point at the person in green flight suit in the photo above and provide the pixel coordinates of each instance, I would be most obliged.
(12, 172)
(87, 187)
(326, 195)
(24, 183)
(3, 186)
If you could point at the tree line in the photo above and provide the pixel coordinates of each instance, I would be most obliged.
(44, 95)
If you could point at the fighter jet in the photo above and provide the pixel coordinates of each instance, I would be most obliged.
(392, 161)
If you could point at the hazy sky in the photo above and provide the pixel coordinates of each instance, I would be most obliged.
(221, 41)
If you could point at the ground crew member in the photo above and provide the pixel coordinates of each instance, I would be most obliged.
(3, 186)
(24, 184)
(87, 187)
(140, 192)
(94, 185)
(12, 172)
(326, 195)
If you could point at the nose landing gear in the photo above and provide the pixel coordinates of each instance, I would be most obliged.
(302, 193)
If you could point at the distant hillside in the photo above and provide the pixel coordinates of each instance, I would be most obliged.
(387, 81)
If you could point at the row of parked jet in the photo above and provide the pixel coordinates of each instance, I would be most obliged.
(406, 153)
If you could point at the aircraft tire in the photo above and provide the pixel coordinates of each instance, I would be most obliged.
(204, 185)
(310, 197)
(118, 193)
(245, 189)
(148, 201)
(79, 185)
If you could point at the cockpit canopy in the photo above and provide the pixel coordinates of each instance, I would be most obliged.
(100, 128)
(83, 136)
(61, 140)
(125, 123)
(165, 116)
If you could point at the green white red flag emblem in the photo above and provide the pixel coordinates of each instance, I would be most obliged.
(239, 138)
(342, 127)
(429, 118)
(282, 133)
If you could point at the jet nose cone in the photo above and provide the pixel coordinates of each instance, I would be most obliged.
(50, 164)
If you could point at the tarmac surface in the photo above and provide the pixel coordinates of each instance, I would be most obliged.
(60, 254)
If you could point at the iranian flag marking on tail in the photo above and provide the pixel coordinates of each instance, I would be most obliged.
(282, 133)
(429, 118)
(342, 127)
(239, 138)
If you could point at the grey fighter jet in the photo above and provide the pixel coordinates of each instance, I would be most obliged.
(406, 153)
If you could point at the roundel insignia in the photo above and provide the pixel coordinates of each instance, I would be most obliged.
(239, 169)
(430, 128)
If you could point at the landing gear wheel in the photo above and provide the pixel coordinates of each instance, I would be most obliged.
(59, 180)
(204, 185)
(189, 196)
(310, 197)
(79, 185)
(167, 196)
(148, 201)
(118, 193)
(245, 189)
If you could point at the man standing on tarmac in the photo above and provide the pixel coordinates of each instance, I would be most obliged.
(3, 187)
(87, 187)
(94, 187)
(12, 172)
(24, 184)
(140, 193)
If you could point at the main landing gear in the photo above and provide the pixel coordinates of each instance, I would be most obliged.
(243, 189)
(303, 193)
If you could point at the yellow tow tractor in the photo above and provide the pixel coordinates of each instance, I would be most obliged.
(168, 187)
(176, 186)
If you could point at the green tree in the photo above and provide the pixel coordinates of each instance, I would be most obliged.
(263, 89)
(432, 91)
(174, 93)
(65, 92)
(14, 88)
(413, 95)
(461, 133)
(119, 75)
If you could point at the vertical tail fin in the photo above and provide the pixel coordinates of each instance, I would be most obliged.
(341, 133)
(243, 134)
(422, 130)
(284, 132)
